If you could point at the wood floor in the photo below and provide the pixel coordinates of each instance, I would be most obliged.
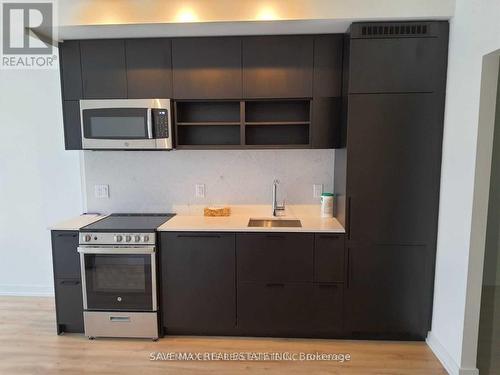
(29, 345)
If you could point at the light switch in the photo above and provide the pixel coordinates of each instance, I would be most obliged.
(317, 190)
(101, 191)
(200, 191)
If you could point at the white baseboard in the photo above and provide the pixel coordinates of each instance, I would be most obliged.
(445, 358)
(27, 290)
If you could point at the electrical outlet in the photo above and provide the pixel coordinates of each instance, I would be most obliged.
(317, 190)
(101, 191)
(200, 191)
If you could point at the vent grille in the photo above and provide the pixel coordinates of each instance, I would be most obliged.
(394, 30)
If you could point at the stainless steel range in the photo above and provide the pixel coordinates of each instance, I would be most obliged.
(118, 268)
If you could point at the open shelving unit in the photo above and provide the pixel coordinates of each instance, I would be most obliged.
(263, 123)
(207, 123)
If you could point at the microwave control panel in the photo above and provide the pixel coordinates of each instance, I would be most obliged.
(160, 120)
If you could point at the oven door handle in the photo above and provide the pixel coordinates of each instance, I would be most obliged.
(116, 250)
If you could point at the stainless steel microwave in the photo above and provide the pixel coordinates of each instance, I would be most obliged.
(136, 124)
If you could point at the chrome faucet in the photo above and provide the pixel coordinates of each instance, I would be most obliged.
(276, 206)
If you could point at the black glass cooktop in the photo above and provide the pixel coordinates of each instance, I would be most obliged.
(128, 223)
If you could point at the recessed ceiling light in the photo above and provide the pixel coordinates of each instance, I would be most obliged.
(267, 13)
(186, 15)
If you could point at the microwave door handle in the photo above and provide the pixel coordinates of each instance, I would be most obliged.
(149, 123)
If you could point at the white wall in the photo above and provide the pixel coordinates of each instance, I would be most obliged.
(105, 12)
(39, 181)
(155, 181)
(475, 32)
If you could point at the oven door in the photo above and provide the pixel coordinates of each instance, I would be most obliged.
(118, 278)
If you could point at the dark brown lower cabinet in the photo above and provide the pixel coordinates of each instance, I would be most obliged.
(69, 305)
(198, 282)
(389, 292)
(67, 285)
(290, 309)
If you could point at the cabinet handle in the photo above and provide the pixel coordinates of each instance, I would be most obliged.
(274, 236)
(329, 236)
(120, 319)
(348, 269)
(70, 282)
(66, 235)
(275, 285)
(325, 286)
(198, 236)
(349, 218)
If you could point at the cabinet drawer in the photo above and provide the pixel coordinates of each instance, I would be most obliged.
(302, 309)
(329, 258)
(65, 255)
(279, 257)
(69, 304)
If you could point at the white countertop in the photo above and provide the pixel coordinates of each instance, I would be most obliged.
(192, 219)
(78, 222)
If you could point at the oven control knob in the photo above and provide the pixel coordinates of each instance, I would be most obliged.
(118, 238)
(128, 238)
(137, 238)
(87, 238)
(145, 238)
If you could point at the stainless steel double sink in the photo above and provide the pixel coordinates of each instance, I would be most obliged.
(274, 223)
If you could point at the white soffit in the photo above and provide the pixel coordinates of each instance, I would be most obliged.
(210, 28)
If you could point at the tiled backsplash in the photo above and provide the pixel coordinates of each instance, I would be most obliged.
(149, 181)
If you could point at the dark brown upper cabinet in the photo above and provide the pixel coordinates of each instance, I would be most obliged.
(328, 65)
(149, 68)
(206, 68)
(103, 69)
(327, 90)
(277, 66)
(71, 72)
(410, 59)
(72, 126)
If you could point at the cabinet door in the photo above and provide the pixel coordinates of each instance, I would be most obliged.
(198, 282)
(393, 167)
(65, 255)
(72, 125)
(329, 258)
(69, 305)
(277, 66)
(275, 257)
(326, 104)
(389, 292)
(396, 65)
(149, 68)
(290, 309)
(326, 123)
(71, 71)
(328, 65)
(206, 68)
(103, 69)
